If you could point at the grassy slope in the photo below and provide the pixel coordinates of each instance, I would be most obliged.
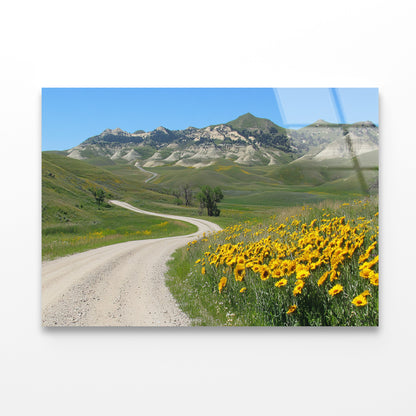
(257, 189)
(72, 221)
(250, 191)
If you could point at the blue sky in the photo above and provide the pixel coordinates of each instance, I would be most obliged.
(71, 115)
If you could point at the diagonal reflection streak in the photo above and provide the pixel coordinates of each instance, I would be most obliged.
(341, 119)
(339, 112)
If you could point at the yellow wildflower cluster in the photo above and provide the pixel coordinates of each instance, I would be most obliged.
(297, 254)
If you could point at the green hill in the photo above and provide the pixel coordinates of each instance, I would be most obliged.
(255, 190)
(72, 220)
(263, 130)
(248, 121)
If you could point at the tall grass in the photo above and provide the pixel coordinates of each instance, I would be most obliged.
(109, 226)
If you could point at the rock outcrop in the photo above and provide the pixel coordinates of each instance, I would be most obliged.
(248, 140)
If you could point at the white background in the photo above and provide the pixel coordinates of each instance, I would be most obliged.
(190, 371)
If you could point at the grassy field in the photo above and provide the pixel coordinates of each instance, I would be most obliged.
(255, 191)
(73, 222)
(110, 225)
(314, 265)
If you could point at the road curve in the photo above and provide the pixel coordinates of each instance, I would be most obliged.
(118, 285)
(146, 171)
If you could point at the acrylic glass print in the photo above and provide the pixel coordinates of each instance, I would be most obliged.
(210, 207)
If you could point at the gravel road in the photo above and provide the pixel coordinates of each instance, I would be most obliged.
(118, 285)
(146, 171)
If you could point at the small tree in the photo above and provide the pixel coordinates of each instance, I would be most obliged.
(208, 199)
(99, 195)
(184, 195)
(187, 194)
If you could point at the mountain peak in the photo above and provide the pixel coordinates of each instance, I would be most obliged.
(117, 131)
(249, 121)
(162, 129)
(247, 115)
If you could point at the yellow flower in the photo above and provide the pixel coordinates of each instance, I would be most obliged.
(365, 273)
(243, 289)
(222, 284)
(301, 274)
(239, 272)
(359, 300)
(373, 262)
(334, 275)
(366, 293)
(374, 279)
(230, 260)
(203, 270)
(197, 261)
(265, 273)
(256, 268)
(213, 259)
(335, 290)
(298, 288)
(291, 309)
(323, 278)
(277, 273)
(369, 265)
(281, 282)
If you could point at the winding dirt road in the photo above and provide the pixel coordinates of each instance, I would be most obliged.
(146, 171)
(118, 285)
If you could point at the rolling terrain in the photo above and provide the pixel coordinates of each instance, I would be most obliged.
(259, 166)
(72, 221)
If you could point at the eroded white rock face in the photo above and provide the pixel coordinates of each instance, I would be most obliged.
(207, 153)
(153, 164)
(75, 154)
(246, 155)
(156, 156)
(173, 157)
(339, 149)
(221, 132)
(131, 155)
(189, 164)
(117, 155)
(195, 147)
